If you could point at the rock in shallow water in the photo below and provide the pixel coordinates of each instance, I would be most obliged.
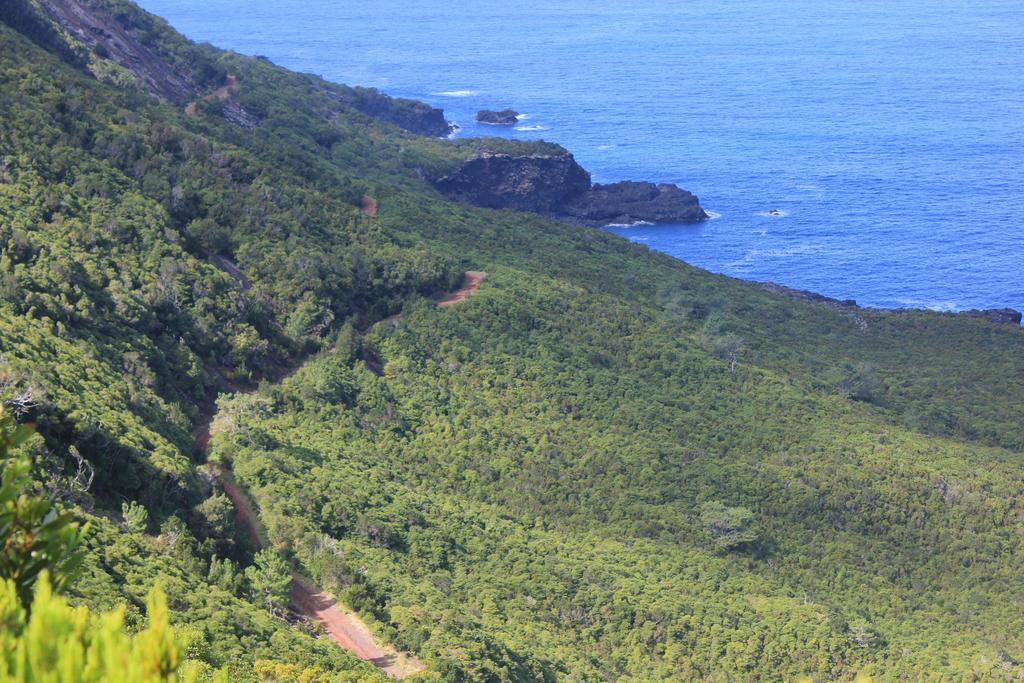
(505, 117)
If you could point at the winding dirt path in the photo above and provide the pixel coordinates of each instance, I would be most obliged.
(341, 625)
(369, 206)
(346, 629)
(472, 280)
(244, 514)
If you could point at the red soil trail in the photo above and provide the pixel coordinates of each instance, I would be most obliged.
(369, 206)
(244, 515)
(222, 93)
(471, 281)
(342, 626)
(348, 631)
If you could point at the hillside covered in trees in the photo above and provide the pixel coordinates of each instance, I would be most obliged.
(603, 465)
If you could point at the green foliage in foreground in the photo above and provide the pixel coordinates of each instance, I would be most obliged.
(42, 638)
(605, 465)
(61, 643)
(35, 538)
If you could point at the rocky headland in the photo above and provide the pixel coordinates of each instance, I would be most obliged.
(411, 115)
(1003, 316)
(1006, 316)
(629, 202)
(556, 185)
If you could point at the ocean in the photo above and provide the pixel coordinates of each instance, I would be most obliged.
(863, 149)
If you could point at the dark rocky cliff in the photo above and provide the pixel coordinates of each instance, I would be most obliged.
(1007, 316)
(1004, 316)
(632, 202)
(416, 117)
(542, 183)
(557, 186)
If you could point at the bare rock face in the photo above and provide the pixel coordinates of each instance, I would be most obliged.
(541, 183)
(505, 117)
(555, 185)
(100, 31)
(632, 202)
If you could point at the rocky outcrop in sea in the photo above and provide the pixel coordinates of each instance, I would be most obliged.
(534, 182)
(411, 115)
(505, 117)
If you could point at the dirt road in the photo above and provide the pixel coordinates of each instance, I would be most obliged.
(341, 625)
(244, 514)
(347, 630)
(472, 280)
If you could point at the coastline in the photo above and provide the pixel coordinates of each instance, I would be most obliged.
(934, 239)
(1003, 315)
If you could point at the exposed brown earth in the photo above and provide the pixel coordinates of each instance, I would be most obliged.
(369, 206)
(342, 626)
(347, 630)
(472, 280)
(222, 93)
(245, 517)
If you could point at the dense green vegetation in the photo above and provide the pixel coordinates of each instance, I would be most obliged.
(604, 465)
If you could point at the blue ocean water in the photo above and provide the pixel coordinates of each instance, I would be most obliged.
(888, 136)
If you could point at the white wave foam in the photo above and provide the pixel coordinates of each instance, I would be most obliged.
(604, 147)
(628, 225)
(457, 93)
(757, 255)
(774, 213)
(523, 117)
(930, 305)
(712, 215)
(531, 128)
(455, 130)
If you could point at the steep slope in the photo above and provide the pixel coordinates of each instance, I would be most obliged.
(605, 465)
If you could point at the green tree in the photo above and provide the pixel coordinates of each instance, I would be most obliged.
(861, 383)
(34, 535)
(729, 527)
(136, 519)
(270, 579)
(224, 573)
